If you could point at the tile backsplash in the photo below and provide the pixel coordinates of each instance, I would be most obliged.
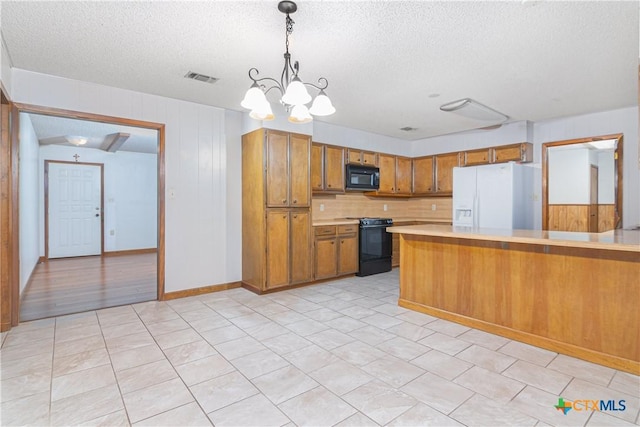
(359, 205)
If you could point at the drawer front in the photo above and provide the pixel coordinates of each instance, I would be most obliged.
(347, 229)
(325, 230)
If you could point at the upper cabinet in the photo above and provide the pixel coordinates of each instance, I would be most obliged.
(444, 164)
(423, 175)
(327, 168)
(395, 175)
(522, 152)
(359, 157)
(287, 169)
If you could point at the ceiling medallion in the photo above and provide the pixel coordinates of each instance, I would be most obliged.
(294, 94)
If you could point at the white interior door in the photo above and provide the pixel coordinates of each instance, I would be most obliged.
(74, 210)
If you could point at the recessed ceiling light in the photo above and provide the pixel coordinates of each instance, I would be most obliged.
(434, 95)
(76, 140)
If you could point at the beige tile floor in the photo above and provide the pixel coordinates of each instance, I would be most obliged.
(339, 353)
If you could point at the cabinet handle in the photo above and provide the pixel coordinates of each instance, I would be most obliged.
(341, 241)
(295, 216)
(284, 200)
(333, 243)
(295, 200)
(284, 217)
(328, 185)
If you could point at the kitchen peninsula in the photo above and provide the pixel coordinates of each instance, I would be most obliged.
(573, 293)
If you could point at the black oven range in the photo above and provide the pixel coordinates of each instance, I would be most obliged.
(374, 245)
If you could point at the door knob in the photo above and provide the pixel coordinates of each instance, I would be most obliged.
(97, 214)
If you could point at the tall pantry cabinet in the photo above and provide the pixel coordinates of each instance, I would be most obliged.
(276, 209)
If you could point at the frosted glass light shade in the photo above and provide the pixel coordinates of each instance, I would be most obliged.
(262, 111)
(296, 93)
(253, 98)
(300, 114)
(76, 140)
(322, 105)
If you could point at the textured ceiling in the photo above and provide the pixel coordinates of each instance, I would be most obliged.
(390, 64)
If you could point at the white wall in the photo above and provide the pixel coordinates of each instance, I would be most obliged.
(130, 194)
(569, 176)
(509, 133)
(606, 177)
(328, 133)
(199, 249)
(29, 205)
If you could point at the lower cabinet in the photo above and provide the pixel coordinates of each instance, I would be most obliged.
(288, 244)
(336, 250)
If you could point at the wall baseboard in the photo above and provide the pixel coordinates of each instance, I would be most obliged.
(131, 252)
(200, 291)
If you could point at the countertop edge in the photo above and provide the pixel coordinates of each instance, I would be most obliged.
(478, 234)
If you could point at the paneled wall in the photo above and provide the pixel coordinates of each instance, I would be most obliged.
(201, 246)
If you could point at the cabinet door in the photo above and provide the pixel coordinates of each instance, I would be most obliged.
(299, 146)
(277, 169)
(369, 158)
(354, 156)
(326, 258)
(476, 157)
(348, 254)
(317, 167)
(423, 175)
(403, 175)
(387, 173)
(522, 152)
(444, 171)
(334, 168)
(277, 249)
(300, 247)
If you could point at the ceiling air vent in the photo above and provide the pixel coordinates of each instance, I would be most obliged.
(200, 77)
(408, 129)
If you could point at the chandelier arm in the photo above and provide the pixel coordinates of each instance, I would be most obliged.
(276, 86)
(323, 84)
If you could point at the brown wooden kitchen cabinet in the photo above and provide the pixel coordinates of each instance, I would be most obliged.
(444, 164)
(287, 169)
(521, 152)
(359, 157)
(422, 175)
(476, 157)
(336, 250)
(276, 217)
(327, 168)
(395, 175)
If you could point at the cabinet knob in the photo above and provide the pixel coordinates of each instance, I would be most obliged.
(284, 217)
(328, 185)
(295, 200)
(284, 200)
(332, 243)
(295, 216)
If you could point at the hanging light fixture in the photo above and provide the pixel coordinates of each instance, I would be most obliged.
(293, 90)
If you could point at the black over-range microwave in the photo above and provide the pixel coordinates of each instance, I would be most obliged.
(359, 177)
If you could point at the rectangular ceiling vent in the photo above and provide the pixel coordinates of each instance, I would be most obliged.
(200, 77)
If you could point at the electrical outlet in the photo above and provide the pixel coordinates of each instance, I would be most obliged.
(321, 207)
(385, 207)
(434, 207)
(112, 232)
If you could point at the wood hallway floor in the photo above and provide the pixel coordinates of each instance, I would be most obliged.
(72, 285)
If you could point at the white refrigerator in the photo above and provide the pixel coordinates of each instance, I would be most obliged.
(493, 196)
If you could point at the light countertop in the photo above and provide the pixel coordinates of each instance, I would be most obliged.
(617, 240)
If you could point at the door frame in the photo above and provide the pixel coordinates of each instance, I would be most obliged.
(46, 202)
(11, 287)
